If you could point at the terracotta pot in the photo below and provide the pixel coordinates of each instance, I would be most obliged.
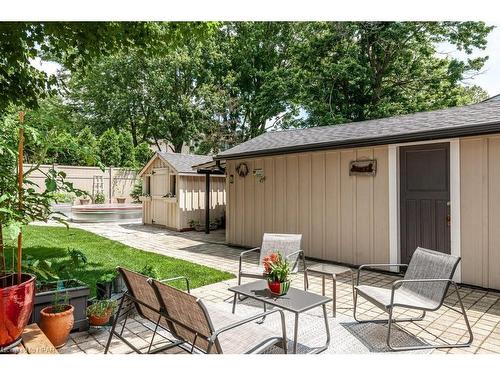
(16, 305)
(84, 201)
(279, 288)
(120, 200)
(57, 326)
(100, 320)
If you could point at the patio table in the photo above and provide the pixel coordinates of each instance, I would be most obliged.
(295, 301)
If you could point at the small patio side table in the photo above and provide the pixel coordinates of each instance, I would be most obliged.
(295, 301)
(331, 271)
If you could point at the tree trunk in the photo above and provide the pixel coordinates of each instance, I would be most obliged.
(178, 147)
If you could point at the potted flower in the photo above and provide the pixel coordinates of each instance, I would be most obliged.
(100, 312)
(56, 321)
(277, 271)
(84, 199)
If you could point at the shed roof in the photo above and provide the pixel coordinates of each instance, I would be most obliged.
(181, 163)
(474, 119)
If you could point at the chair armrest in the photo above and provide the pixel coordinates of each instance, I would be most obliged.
(300, 253)
(243, 253)
(377, 265)
(165, 281)
(246, 321)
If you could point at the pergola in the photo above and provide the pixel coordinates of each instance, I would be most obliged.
(213, 167)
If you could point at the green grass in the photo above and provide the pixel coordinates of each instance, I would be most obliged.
(104, 255)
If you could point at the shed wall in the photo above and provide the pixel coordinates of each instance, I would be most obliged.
(342, 218)
(480, 208)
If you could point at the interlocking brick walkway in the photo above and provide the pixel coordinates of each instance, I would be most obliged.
(483, 307)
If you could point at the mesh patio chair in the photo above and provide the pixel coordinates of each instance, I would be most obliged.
(423, 288)
(206, 329)
(141, 296)
(287, 244)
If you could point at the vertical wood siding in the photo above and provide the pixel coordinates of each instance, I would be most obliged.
(480, 208)
(342, 218)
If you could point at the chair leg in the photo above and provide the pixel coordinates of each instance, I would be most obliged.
(113, 327)
(442, 346)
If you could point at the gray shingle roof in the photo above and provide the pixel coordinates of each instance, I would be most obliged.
(183, 163)
(481, 118)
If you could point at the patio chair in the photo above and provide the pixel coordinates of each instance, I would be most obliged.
(423, 288)
(208, 330)
(141, 296)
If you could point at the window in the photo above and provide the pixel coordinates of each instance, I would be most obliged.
(146, 190)
(173, 185)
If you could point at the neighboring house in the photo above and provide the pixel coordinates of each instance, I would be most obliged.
(174, 194)
(372, 191)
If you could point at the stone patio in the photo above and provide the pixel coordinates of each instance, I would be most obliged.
(483, 307)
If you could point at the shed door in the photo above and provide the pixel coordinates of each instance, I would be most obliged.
(159, 187)
(425, 198)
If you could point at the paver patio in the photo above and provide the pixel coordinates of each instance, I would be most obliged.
(483, 307)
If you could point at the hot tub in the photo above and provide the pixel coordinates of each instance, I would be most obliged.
(101, 213)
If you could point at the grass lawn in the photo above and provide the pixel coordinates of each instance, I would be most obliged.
(103, 255)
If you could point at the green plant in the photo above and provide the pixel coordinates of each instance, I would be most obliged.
(276, 267)
(41, 268)
(137, 191)
(99, 198)
(62, 197)
(102, 308)
(77, 257)
(149, 270)
(60, 304)
(193, 223)
(107, 278)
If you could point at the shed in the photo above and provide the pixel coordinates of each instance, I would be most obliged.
(372, 191)
(174, 194)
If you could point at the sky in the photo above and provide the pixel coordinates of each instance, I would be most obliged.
(489, 79)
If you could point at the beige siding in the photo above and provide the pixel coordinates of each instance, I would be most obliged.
(342, 218)
(480, 210)
(189, 204)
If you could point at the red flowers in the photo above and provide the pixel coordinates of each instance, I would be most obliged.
(269, 261)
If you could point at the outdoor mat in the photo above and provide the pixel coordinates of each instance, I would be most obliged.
(347, 335)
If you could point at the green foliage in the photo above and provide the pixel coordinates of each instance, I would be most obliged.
(62, 197)
(106, 278)
(87, 148)
(137, 191)
(143, 154)
(102, 308)
(76, 45)
(126, 145)
(109, 148)
(149, 270)
(99, 198)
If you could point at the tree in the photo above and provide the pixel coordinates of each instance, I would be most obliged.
(143, 154)
(109, 148)
(166, 98)
(75, 45)
(126, 149)
(88, 149)
(356, 71)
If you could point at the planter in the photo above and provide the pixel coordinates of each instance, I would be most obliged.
(84, 201)
(120, 200)
(16, 306)
(100, 320)
(279, 288)
(57, 325)
(78, 294)
(104, 289)
(213, 226)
